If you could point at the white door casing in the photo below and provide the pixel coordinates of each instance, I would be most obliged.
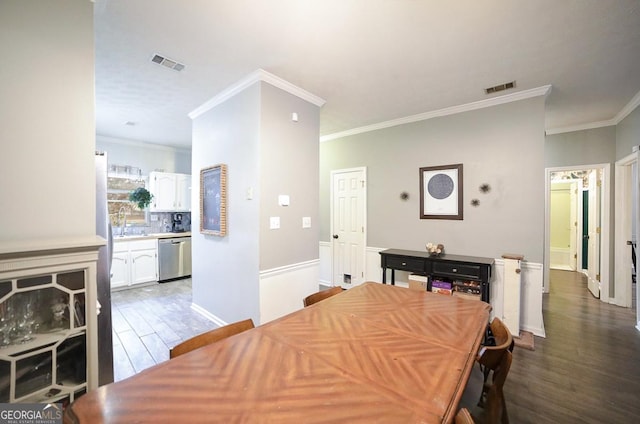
(593, 269)
(348, 226)
(573, 227)
(605, 229)
(624, 195)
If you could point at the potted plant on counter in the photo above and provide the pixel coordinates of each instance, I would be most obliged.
(141, 197)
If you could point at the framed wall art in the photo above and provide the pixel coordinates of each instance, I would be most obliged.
(441, 192)
(213, 200)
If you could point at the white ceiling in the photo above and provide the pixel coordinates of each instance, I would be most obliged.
(371, 60)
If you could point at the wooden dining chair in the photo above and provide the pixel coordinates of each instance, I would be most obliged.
(495, 405)
(321, 295)
(463, 417)
(210, 337)
(495, 359)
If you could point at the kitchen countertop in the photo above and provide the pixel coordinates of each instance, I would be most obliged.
(151, 236)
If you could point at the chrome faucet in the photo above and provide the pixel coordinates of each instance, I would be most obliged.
(123, 222)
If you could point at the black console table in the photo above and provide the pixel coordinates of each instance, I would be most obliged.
(451, 266)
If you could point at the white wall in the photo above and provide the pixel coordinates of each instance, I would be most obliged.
(46, 120)
(502, 146)
(255, 271)
(225, 270)
(148, 157)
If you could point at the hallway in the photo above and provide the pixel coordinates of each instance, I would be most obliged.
(587, 369)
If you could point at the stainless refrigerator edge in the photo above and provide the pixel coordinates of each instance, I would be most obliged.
(103, 229)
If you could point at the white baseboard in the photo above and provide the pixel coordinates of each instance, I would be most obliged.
(208, 315)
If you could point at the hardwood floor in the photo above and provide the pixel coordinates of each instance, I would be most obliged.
(148, 321)
(587, 369)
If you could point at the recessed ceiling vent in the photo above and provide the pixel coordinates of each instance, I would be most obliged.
(501, 87)
(167, 63)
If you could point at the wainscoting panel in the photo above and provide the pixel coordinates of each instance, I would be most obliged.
(325, 263)
(530, 292)
(282, 289)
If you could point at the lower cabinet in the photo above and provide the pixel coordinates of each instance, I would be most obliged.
(134, 262)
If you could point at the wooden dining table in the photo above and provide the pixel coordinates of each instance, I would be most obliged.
(371, 354)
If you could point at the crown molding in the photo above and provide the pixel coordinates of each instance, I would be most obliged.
(630, 107)
(581, 127)
(481, 104)
(136, 143)
(252, 78)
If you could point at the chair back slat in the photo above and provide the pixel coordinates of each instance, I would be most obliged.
(321, 295)
(210, 337)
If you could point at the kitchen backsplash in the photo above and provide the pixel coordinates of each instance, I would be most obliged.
(153, 226)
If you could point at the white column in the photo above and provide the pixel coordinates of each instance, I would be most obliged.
(512, 286)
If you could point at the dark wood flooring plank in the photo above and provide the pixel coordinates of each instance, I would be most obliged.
(586, 370)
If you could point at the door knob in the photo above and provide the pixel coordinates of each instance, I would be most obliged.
(335, 236)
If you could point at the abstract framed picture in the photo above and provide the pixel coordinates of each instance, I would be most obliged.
(441, 192)
(213, 200)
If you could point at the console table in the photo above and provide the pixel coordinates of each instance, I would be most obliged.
(451, 266)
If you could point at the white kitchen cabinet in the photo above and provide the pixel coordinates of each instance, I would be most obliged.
(144, 265)
(183, 192)
(171, 192)
(134, 262)
(119, 268)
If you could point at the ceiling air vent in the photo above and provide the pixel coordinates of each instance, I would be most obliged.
(167, 63)
(501, 87)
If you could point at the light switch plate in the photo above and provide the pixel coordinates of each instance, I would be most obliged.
(306, 222)
(283, 200)
(274, 222)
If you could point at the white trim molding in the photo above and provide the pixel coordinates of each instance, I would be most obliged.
(252, 78)
(208, 315)
(281, 270)
(531, 318)
(481, 104)
(630, 107)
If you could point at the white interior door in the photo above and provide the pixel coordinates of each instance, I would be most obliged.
(348, 226)
(593, 270)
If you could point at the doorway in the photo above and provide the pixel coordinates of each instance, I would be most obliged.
(565, 198)
(626, 228)
(348, 226)
(595, 261)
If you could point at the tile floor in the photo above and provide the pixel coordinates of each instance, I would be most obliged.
(148, 321)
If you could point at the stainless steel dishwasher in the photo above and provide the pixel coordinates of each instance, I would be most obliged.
(174, 258)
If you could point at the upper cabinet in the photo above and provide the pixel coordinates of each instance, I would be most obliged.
(171, 192)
